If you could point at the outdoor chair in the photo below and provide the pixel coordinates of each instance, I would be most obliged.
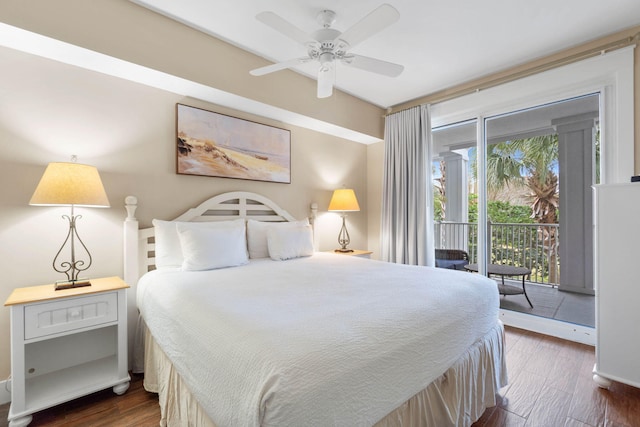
(454, 259)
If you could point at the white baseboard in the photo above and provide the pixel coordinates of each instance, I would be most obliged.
(5, 394)
(555, 328)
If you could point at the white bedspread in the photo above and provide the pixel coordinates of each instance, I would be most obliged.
(325, 340)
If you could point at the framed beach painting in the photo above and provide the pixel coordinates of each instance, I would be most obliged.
(213, 144)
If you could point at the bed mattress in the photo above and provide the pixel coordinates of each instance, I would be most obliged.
(323, 340)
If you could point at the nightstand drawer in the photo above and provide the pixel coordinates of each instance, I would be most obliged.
(69, 314)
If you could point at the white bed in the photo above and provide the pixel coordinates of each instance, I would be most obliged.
(313, 340)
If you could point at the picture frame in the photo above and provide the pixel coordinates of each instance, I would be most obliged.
(217, 145)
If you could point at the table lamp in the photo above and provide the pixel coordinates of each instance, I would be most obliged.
(70, 184)
(344, 200)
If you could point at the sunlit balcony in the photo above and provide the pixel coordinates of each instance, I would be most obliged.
(533, 246)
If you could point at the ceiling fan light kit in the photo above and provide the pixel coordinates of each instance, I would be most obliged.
(328, 45)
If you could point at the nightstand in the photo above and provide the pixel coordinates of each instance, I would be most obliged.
(355, 252)
(66, 344)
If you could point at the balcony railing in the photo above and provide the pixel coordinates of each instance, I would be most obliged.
(534, 246)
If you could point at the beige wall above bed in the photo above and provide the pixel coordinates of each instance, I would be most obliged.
(50, 111)
(126, 31)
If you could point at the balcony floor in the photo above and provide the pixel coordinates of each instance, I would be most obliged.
(552, 303)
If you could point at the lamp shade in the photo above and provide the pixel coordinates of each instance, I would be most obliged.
(64, 184)
(344, 200)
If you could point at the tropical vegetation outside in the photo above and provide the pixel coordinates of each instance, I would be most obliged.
(539, 166)
(522, 184)
(523, 178)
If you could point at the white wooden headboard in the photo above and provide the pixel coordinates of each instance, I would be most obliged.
(139, 249)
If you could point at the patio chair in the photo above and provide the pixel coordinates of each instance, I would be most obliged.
(454, 259)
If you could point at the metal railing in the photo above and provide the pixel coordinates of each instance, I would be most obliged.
(534, 246)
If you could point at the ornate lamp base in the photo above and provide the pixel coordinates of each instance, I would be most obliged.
(72, 268)
(343, 237)
(72, 284)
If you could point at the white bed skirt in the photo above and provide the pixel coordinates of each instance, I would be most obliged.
(457, 398)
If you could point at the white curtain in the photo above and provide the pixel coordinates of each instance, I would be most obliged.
(407, 208)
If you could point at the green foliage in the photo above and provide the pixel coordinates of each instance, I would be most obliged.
(506, 213)
(437, 207)
(502, 239)
(473, 208)
(502, 212)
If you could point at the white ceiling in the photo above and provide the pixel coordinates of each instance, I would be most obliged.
(440, 43)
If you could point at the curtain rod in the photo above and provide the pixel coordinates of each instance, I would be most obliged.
(589, 53)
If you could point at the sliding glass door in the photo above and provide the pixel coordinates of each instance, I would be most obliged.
(513, 191)
(540, 165)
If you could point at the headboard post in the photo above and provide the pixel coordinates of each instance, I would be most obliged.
(131, 245)
(131, 204)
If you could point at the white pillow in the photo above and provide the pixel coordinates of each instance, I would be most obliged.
(289, 242)
(210, 248)
(257, 235)
(167, 244)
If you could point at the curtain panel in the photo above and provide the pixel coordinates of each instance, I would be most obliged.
(407, 208)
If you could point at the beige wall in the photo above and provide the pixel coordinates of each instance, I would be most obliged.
(124, 30)
(49, 111)
(375, 163)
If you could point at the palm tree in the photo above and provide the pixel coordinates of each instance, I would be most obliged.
(440, 196)
(532, 162)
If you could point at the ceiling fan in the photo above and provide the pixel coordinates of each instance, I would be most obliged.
(328, 45)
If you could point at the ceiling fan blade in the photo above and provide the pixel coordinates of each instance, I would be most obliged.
(325, 80)
(373, 65)
(282, 26)
(278, 66)
(375, 21)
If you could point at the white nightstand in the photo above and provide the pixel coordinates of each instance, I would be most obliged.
(355, 252)
(66, 344)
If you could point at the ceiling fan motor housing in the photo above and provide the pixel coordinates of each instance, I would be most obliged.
(328, 43)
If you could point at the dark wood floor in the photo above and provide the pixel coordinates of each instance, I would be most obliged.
(549, 386)
(102, 409)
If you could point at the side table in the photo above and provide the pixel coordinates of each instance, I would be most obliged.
(66, 344)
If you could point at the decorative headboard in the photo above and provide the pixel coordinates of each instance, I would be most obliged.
(139, 249)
